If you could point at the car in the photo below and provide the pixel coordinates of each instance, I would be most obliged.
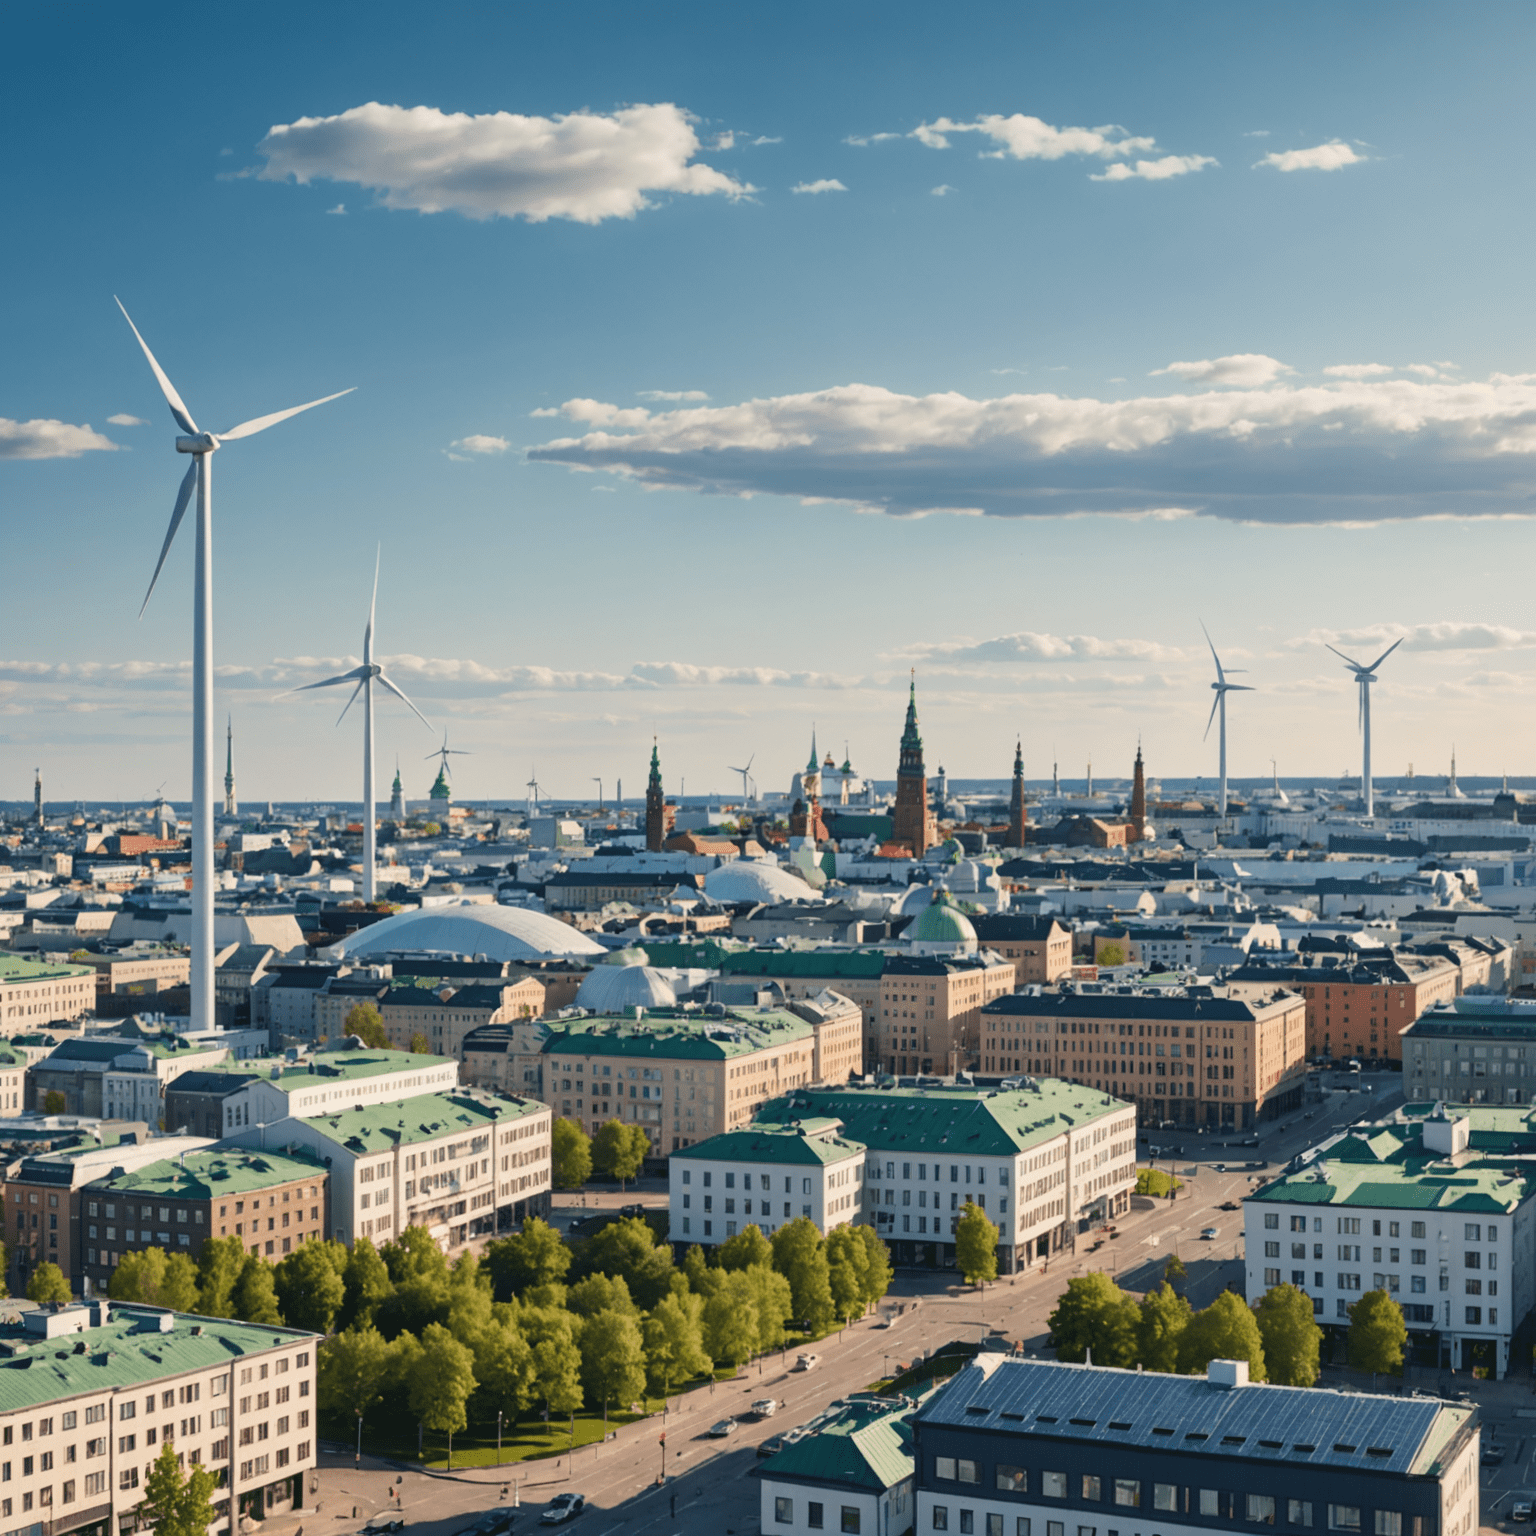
(765, 1407)
(721, 1428)
(1210, 1234)
(771, 1446)
(494, 1522)
(884, 1320)
(631, 1210)
(1492, 1454)
(378, 1524)
(563, 1507)
(807, 1362)
(1520, 1510)
(1249, 1141)
(1228, 1205)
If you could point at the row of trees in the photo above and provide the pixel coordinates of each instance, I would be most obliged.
(617, 1151)
(1277, 1336)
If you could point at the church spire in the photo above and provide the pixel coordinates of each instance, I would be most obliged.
(914, 824)
(655, 805)
(1017, 816)
(231, 805)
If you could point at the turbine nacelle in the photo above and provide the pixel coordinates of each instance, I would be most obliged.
(204, 442)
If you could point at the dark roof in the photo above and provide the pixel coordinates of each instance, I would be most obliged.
(219, 1084)
(1183, 1004)
(995, 928)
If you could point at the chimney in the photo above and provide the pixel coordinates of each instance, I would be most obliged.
(1227, 1373)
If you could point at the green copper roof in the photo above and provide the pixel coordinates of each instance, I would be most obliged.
(942, 922)
(203, 1175)
(328, 1066)
(672, 1033)
(15, 969)
(763, 1142)
(867, 963)
(864, 1446)
(426, 1116)
(440, 787)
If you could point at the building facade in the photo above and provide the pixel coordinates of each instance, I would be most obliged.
(1475, 1050)
(38, 992)
(1039, 947)
(851, 1472)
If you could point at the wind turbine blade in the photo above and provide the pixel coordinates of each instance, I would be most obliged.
(1241, 688)
(1386, 653)
(362, 683)
(1342, 657)
(750, 761)
(328, 682)
(1215, 705)
(183, 496)
(386, 683)
(178, 407)
(261, 423)
(1220, 676)
(373, 604)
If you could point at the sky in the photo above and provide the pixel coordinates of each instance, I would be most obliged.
(716, 367)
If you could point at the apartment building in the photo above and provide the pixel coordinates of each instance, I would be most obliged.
(271, 1201)
(79, 1434)
(765, 1175)
(1008, 1446)
(1437, 1209)
(35, 993)
(1044, 1161)
(1223, 1057)
(1474, 1050)
(1039, 947)
(443, 1012)
(117, 1076)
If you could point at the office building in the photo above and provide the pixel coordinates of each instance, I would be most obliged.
(1473, 1050)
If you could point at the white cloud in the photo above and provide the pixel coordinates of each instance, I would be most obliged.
(1444, 635)
(340, 208)
(1245, 370)
(1331, 156)
(660, 394)
(764, 138)
(585, 166)
(123, 419)
(1155, 170)
(1361, 370)
(726, 140)
(1355, 451)
(1027, 645)
(1021, 137)
(1424, 370)
(48, 439)
(862, 140)
(479, 442)
(1257, 133)
(941, 191)
(829, 185)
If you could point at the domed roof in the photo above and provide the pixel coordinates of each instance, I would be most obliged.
(615, 988)
(756, 880)
(912, 900)
(633, 955)
(471, 928)
(942, 923)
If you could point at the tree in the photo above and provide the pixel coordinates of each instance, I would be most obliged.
(976, 1246)
(570, 1150)
(218, 1273)
(1094, 1313)
(352, 1371)
(535, 1256)
(503, 1366)
(54, 1102)
(772, 1298)
(311, 1286)
(556, 1360)
(255, 1293)
(419, 1046)
(1164, 1316)
(1174, 1272)
(729, 1322)
(1156, 1183)
(800, 1256)
(178, 1290)
(48, 1284)
(420, 1274)
(1292, 1340)
(629, 1248)
(1225, 1330)
(177, 1505)
(1110, 953)
(619, 1150)
(365, 1021)
(877, 1265)
(441, 1383)
(138, 1277)
(1377, 1333)
(747, 1248)
(847, 1291)
(366, 1284)
(674, 1342)
(600, 1293)
(612, 1359)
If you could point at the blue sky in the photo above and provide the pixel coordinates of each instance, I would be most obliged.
(1035, 214)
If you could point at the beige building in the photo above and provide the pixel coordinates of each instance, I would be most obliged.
(156, 971)
(34, 993)
(444, 1013)
(1039, 947)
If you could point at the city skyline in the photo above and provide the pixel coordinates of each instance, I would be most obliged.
(632, 436)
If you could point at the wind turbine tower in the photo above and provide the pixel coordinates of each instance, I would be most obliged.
(1219, 706)
(1365, 676)
(201, 446)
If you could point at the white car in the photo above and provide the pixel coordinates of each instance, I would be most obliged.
(563, 1507)
(721, 1428)
(765, 1407)
(807, 1362)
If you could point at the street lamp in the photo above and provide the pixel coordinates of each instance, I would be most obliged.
(358, 1459)
(498, 1436)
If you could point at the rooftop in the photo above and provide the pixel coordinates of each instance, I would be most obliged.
(807, 1142)
(14, 969)
(202, 1175)
(347, 1066)
(423, 1117)
(672, 1032)
(861, 1445)
(1094, 1001)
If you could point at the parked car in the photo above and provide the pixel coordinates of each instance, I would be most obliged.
(771, 1446)
(494, 1522)
(807, 1362)
(1520, 1510)
(1210, 1234)
(765, 1407)
(563, 1507)
(1228, 1205)
(721, 1428)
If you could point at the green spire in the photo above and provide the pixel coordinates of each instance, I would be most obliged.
(911, 739)
(813, 766)
(655, 780)
(440, 789)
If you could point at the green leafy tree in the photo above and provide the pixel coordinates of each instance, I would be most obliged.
(535, 1256)
(419, 1045)
(696, 1270)
(801, 1257)
(774, 1302)
(628, 1248)
(1174, 1272)
(730, 1321)
(441, 1383)
(601, 1293)
(139, 1276)
(847, 1261)
(176, 1504)
(619, 1150)
(366, 1284)
(877, 1265)
(674, 1342)
(256, 1293)
(365, 1021)
(747, 1248)
(503, 1366)
(311, 1286)
(178, 1290)
(352, 1372)
(976, 1245)
(1292, 1340)
(1156, 1183)
(420, 1274)
(218, 1273)
(1377, 1333)
(1225, 1330)
(612, 1359)
(48, 1284)
(54, 1102)
(1164, 1317)
(570, 1155)
(556, 1359)
(1094, 1313)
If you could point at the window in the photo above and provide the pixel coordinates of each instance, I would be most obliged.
(944, 1468)
(784, 1511)
(1091, 1486)
(1261, 1508)
(1016, 1479)
(1053, 1485)
(1474, 1314)
(1128, 1492)
(128, 1478)
(1389, 1522)
(1272, 1220)
(1416, 1229)
(968, 1471)
(1210, 1502)
(812, 1511)
(850, 1519)
(1298, 1511)
(95, 1482)
(1343, 1517)
(1165, 1496)
(967, 1522)
(941, 1517)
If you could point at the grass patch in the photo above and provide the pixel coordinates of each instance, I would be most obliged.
(1154, 1182)
(921, 1372)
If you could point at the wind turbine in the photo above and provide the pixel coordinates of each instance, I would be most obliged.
(202, 446)
(444, 752)
(746, 794)
(1219, 703)
(532, 786)
(365, 676)
(1365, 676)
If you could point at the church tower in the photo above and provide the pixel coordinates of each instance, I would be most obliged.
(1138, 800)
(1017, 817)
(655, 806)
(231, 805)
(805, 815)
(914, 827)
(37, 796)
(397, 797)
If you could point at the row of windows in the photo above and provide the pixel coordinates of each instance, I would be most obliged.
(1349, 1226)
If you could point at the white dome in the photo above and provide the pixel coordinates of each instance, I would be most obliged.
(912, 900)
(615, 988)
(499, 933)
(756, 880)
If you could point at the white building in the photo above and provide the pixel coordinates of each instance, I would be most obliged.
(852, 1472)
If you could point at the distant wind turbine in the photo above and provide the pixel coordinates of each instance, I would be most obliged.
(1365, 676)
(1219, 705)
(444, 752)
(202, 446)
(532, 786)
(746, 793)
(365, 676)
